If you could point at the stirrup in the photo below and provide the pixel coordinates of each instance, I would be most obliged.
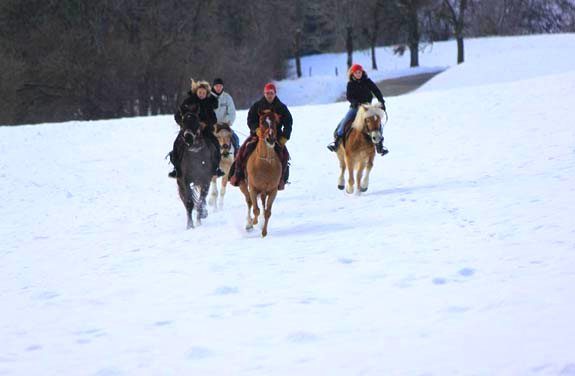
(173, 174)
(333, 146)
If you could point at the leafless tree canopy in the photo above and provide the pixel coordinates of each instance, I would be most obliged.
(76, 59)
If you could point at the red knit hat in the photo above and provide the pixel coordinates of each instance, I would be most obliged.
(355, 67)
(270, 87)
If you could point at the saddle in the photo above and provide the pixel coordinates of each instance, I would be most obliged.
(236, 174)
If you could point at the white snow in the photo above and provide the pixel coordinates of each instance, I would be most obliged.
(459, 259)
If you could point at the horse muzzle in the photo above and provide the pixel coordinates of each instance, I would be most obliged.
(189, 137)
(375, 137)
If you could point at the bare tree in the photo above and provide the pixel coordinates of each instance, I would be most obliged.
(455, 14)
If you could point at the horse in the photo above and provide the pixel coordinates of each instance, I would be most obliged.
(223, 133)
(197, 166)
(358, 149)
(263, 171)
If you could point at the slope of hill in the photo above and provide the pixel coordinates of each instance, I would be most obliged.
(460, 258)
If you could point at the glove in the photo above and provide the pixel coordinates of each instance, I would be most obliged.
(283, 140)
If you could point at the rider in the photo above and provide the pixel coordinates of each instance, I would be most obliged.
(269, 101)
(199, 101)
(360, 89)
(226, 111)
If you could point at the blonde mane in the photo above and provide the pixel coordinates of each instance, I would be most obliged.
(366, 111)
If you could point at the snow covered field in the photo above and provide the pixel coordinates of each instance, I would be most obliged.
(459, 259)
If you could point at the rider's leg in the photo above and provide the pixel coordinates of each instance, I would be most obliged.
(349, 117)
(235, 142)
(176, 156)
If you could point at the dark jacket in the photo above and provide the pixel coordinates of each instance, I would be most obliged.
(362, 91)
(204, 107)
(286, 121)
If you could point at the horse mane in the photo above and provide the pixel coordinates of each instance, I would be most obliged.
(222, 127)
(366, 111)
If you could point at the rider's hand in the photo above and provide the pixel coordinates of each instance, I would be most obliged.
(283, 141)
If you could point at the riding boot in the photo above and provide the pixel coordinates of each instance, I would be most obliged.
(335, 144)
(176, 171)
(382, 150)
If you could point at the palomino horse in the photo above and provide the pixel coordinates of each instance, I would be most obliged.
(263, 171)
(358, 149)
(223, 133)
(197, 166)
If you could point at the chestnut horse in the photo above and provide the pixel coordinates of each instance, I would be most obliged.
(223, 133)
(358, 149)
(263, 171)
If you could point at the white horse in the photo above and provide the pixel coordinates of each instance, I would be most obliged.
(223, 132)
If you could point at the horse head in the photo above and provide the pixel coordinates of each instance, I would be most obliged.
(368, 121)
(192, 127)
(268, 127)
(223, 133)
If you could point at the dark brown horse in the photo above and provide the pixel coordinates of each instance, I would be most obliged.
(263, 171)
(358, 149)
(197, 166)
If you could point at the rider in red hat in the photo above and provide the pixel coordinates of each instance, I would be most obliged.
(360, 89)
(269, 101)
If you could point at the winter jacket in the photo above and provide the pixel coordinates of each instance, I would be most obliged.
(362, 91)
(286, 121)
(205, 108)
(226, 111)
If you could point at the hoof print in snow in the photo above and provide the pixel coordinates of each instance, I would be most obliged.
(302, 337)
(226, 290)
(467, 272)
(439, 281)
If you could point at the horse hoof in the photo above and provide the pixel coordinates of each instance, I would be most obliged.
(249, 227)
(363, 189)
(340, 187)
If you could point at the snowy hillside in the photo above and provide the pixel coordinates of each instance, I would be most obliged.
(459, 259)
(524, 57)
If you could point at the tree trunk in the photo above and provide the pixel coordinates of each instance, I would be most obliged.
(374, 34)
(414, 54)
(298, 52)
(460, 52)
(413, 37)
(373, 60)
(349, 47)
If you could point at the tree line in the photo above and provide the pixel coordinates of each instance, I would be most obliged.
(85, 60)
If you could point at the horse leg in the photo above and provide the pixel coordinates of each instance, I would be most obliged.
(256, 208)
(350, 167)
(214, 192)
(201, 205)
(244, 189)
(340, 180)
(359, 175)
(365, 182)
(186, 196)
(268, 211)
(223, 190)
